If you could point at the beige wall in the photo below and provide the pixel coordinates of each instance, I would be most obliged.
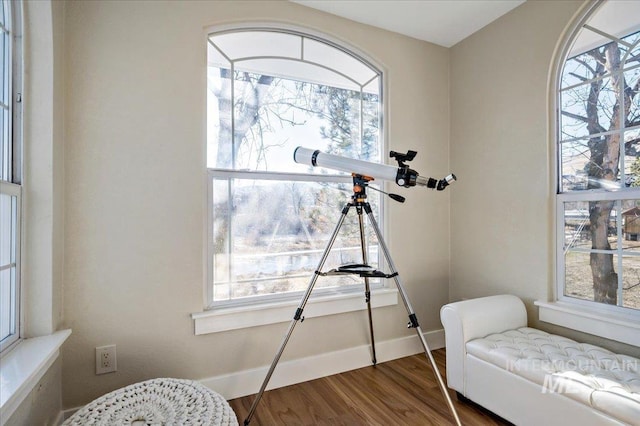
(135, 189)
(502, 208)
(134, 182)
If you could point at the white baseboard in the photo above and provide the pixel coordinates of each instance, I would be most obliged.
(248, 382)
(287, 373)
(60, 418)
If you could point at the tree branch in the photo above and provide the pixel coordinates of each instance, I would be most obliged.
(575, 116)
(598, 56)
(586, 65)
(579, 77)
(599, 128)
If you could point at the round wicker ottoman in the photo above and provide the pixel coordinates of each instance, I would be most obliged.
(157, 402)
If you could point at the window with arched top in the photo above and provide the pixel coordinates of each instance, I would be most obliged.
(10, 171)
(269, 91)
(598, 174)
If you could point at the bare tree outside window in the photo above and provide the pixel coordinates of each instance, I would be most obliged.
(271, 217)
(599, 150)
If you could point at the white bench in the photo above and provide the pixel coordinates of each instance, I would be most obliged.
(530, 377)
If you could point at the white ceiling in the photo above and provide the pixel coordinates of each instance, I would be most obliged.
(443, 22)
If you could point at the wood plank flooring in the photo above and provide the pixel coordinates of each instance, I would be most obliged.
(399, 392)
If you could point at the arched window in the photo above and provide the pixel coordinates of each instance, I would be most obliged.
(598, 146)
(269, 91)
(10, 172)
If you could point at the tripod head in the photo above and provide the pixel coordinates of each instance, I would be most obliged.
(360, 185)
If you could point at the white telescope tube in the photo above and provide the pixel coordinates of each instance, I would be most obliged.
(365, 168)
(402, 174)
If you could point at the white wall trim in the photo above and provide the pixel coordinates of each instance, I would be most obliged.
(248, 382)
(60, 418)
(225, 319)
(24, 366)
(605, 324)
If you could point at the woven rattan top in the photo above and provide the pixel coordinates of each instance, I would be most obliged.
(157, 402)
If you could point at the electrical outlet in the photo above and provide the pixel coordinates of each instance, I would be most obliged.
(106, 359)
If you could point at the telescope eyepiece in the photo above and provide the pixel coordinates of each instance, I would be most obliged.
(446, 181)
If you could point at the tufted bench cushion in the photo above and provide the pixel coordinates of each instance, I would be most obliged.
(588, 374)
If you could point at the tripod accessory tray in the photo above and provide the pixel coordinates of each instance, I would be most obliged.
(359, 269)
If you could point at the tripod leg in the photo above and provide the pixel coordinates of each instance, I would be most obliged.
(413, 320)
(367, 288)
(298, 314)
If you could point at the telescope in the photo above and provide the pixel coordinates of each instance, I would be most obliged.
(362, 173)
(402, 175)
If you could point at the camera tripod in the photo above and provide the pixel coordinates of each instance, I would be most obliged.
(359, 201)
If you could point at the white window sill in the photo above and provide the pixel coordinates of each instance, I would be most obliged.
(610, 325)
(24, 366)
(225, 319)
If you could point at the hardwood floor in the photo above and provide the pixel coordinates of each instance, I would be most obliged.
(399, 392)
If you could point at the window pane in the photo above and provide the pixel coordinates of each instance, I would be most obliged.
(373, 87)
(321, 53)
(573, 119)
(6, 90)
(371, 113)
(215, 58)
(272, 116)
(219, 131)
(575, 159)
(578, 280)
(586, 251)
(631, 79)
(8, 290)
(276, 234)
(246, 44)
(576, 225)
(631, 282)
(296, 70)
(632, 157)
(5, 146)
(627, 53)
(7, 229)
(582, 166)
(630, 226)
(584, 114)
(5, 68)
(221, 229)
(7, 303)
(578, 69)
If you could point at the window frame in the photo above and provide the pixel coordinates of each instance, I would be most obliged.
(12, 186)
(281, 298)
(587, 196)
(608, 321)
